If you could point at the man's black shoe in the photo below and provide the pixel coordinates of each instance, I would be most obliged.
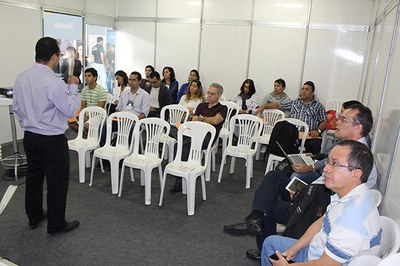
(36, 225)
(249, 227)
(253, 254)
(177, 187)
(66, 228)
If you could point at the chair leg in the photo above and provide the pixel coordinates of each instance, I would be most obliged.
(170, 153)
(132, 176)
(91, 171)
(258, 152)
(101, 166)
(160, 173)
(208, 169)
(203, 187)
(121, 180)
(232, 169)
(142, 178)
(191, 189)
(162, 188)
(147, 186)
(114, 164)
(248, 171)
(81, 165)
(184, 186)
(87, 158)
(221, 168)
(166, 152)
(213, 158)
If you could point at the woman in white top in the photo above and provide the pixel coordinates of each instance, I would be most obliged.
(247, 99)
(193, 96)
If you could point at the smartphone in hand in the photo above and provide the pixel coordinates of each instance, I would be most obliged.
(275, 257)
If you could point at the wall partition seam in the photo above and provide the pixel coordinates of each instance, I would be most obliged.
(200, 34)
(250, 40)
(307, 30)
(387, 73)
(367, 56)
(155, 36)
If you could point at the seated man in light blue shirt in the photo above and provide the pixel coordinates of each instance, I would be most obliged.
(135, 100)
(351, 224)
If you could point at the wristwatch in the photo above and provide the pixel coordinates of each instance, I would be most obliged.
(201, 118)
(319, 131)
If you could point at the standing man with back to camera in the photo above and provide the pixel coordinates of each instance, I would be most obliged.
(42, 103)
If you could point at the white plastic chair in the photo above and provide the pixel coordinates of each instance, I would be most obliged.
(365, 260)
(270, 117)
(274, 159)
(109, 101)
(392, 260)
(335, 105)
(95, 119)
(176, 114)
(195, 166)
(154, 128)
(114, 154)
(249, 128)
(390, 239)
(224, 132)
(377, 196)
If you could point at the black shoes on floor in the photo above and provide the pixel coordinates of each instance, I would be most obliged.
(177, 187)
(253, 254)
(66, 228)
(36, 225)
(248, 227)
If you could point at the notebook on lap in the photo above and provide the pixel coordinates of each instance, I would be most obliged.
(297, 158)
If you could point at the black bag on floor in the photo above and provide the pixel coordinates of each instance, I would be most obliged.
(307, 207)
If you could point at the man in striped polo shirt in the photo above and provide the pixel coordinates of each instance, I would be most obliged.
(93, 94)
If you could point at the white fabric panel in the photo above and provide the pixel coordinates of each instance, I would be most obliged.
(129, 8)
(282, 11)
(276, 53)
(18, 51)
(177, 47)
(102, 7)
(228, 9)
(179, 8)
(334, 62)
(351, 12)
(224, 54)
(135, 41)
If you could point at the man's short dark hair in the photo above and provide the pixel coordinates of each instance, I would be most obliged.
(45, 48)
(360, 157)
(363, 117)
(155, 74)
(137, 74)
(99, 39)
(311, 84)
(151, 67)
(348, 104)
(92, 71)
(281, 82)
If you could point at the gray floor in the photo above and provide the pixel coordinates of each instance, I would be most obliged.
(121, 231)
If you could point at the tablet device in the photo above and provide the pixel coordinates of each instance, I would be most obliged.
(296, 185)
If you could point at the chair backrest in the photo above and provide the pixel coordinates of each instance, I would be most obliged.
(270, 118)
(233, 108)
(125, 122)
(335, 105)
(197, 131)
(365, 260)
(154, 128)
(390, 239)
(300, 125)
(392, 260)
(94, 117)
(249, 129)
(109, 101)
(174, 113)
(377, 196)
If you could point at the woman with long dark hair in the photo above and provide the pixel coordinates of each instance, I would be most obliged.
(247, 99)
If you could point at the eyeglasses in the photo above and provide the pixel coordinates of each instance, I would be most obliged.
(132, 79)
(346, 120)
(336, 165)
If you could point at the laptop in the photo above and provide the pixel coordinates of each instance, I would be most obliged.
(297, 158)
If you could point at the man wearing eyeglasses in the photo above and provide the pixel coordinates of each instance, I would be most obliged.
(42, 103)
(159, 94)
(134, 99)
(351, 224)
(355, 123)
